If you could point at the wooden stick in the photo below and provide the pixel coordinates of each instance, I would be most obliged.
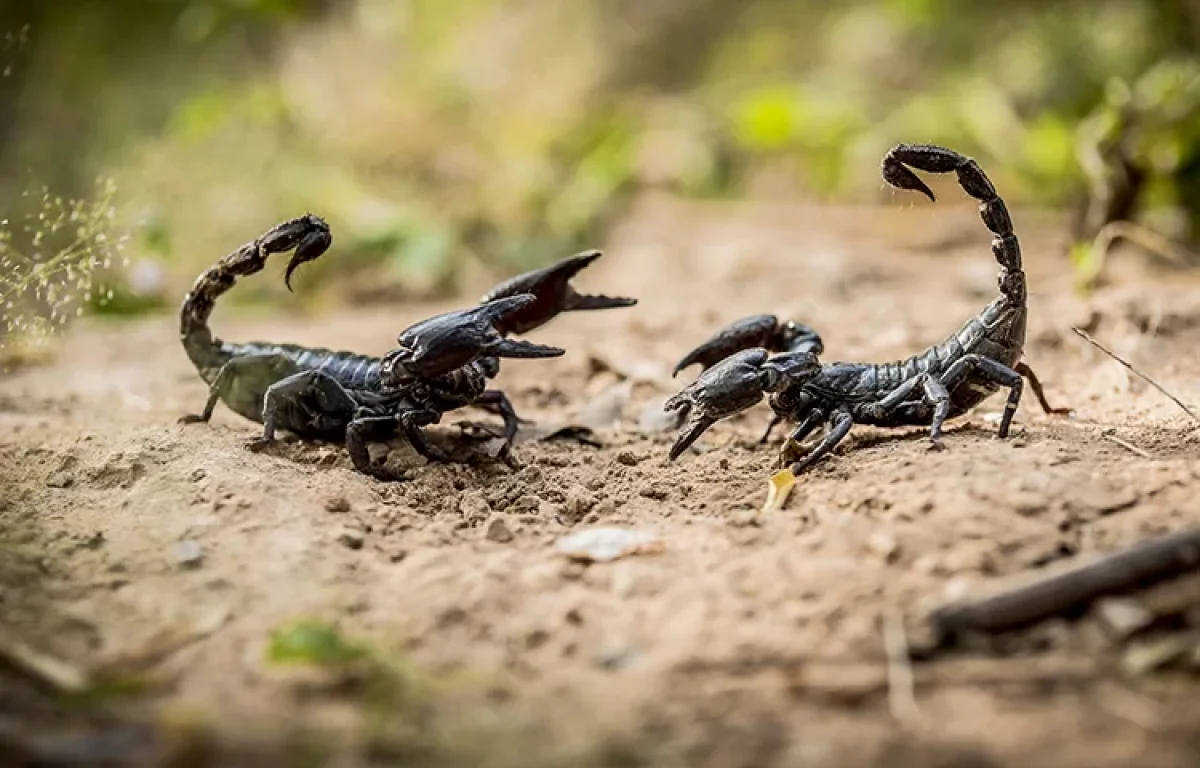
(1138, 566)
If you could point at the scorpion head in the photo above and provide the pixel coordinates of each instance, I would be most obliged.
(736, 383)
(393, 373)
(488, 366)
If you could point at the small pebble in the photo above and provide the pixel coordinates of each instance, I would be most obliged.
(198, 475)
(498, 530)
(604, 508)
(653, 491)
(614, 658)
(1122, 616)
(473, 507)
(883, 543)
(628, 458)
(600, 545)
(531, 475)
(337, 505)
(60, 480)
(578, 503)
(188, 553)
(350, 538)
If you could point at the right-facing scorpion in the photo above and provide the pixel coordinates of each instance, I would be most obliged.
(943, 382)
(440, 364)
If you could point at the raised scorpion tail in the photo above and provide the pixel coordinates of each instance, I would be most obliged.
(934, 159)
(307, 235)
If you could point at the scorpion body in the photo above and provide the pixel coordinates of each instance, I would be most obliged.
(440, 364)
(943, 382)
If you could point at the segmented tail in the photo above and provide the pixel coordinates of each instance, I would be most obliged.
(308, 235)
(993, 211)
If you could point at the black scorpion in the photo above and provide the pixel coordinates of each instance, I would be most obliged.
(439, 364)
(942, 382)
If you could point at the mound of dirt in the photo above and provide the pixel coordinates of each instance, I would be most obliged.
(169, 552)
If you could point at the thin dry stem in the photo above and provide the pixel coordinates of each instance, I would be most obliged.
(1128, 446)
(1086, 337)
(46, 670)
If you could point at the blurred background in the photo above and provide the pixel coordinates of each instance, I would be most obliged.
(140, 140)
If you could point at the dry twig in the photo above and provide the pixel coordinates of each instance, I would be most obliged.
(53, 673)
(1060, 594)
(1086, 337)
(1128, 446)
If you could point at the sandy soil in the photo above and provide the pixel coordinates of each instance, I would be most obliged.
(744, 642)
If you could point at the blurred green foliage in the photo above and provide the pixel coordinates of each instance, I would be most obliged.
(514, 131)
(313, 642)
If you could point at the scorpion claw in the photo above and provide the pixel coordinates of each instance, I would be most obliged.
(689, 434)
(525, 349)
(554, 294)
(444, 342)
(747, 333)
(755, 331)
(729, 387)
(583, 301)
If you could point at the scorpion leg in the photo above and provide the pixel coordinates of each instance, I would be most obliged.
(411, 423)
(359, 433)
(254, 373)
(500, 402)
(935, 393)
(219, 385)
(840, 424)
(994, 372)
(776, 419)
(307, 403)
(1036, 386)
(791, 446)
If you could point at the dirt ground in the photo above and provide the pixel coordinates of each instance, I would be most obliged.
(743, 642)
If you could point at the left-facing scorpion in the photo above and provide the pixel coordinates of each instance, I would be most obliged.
(942, 382)
(440, 364)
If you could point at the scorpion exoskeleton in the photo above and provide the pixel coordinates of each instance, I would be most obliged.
(942, 382)
(439, 364)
